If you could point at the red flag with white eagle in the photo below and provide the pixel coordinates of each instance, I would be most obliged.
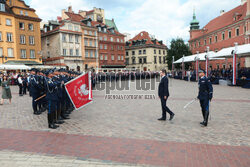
(80, 91)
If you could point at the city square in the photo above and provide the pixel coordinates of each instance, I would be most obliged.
(127, 132)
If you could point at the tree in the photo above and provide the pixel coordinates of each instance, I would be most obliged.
(177, 49)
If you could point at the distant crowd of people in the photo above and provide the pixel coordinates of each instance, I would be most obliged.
(243, 75)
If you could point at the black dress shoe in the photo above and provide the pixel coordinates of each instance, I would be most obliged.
(65, 117)
(53, 126)
(204, 123)
(171, 117)
(162, 119)
(59, 122)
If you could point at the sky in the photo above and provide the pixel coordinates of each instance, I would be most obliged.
(166, 19)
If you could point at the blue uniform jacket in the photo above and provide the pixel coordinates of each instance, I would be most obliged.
(205, 89)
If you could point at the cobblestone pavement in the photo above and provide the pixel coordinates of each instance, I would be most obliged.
(137, 119)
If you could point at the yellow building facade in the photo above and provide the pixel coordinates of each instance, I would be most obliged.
(20, 41)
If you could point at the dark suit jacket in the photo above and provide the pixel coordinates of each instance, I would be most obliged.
(163, 87)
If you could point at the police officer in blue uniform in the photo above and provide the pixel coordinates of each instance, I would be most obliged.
(34, 88)
(205, 96)
(52, 97)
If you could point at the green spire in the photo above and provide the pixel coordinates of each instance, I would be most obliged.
(194, 25)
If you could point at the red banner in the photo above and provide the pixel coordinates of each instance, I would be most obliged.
(80, 91)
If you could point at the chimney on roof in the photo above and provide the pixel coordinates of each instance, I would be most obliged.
(243, 1)
(59, 18)
(222, 12)
(113, 20)
(70, 9)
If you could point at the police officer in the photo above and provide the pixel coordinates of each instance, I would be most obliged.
(34, 87)
(52, 97)
(205, 95)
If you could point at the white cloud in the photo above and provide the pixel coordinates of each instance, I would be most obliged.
(50, 9)
(168, 19)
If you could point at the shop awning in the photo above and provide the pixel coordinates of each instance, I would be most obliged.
(14, 67)
(16, 62)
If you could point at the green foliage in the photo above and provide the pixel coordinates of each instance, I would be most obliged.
(178, 48)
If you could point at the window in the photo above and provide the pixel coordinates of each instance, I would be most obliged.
(145, 60)
(154, 51)
(71, 52)
(139, 52)
(76, 28)
(140, 60)
(155, 60)
(32, 54)
(99, 29)
(70, 38)
(89, 23)
(21, 25)
(22, 39)
(121, 48)
(112, 57)
(106, 57)
(133, 52)
(160, 60)
(23, 53)
(126, 53)
(70, 27)
(245, 29)
(237, 32)
(215, 38)
(1, 52)
(122, 58)
(90, 32)
(164, 60)
(101, 57)
(229, 34)
(111, 39)
(101, 46)
(10, 52)
(85, 32)
(159, 51)
(210, 40)
(90, 42)
(77, 39)
(105, 47)
(119, 58)
(86, 42)
(112, 47)
(100, 38)
(91, 53)
(118, 47)
(199, 43)
(105, 38)
(133, 61)
(32, 40)
(26, 13)
(86, 53)
(8, 22)
(163, 52)
(127, 61)
(2, 7)
(205, 42)
(9, 37)
(105, 29)
(77, 52)
(223, 36)
(144, 52)
(118, 40)
(64, 52)
(31, 27)
(21, 12)
(64, 38)
(0, 36)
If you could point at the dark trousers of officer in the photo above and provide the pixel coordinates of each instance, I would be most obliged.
(20, 89)
(204, 103)
(165, 108)
(59, 108)
(25, 89)
(34, 103)
(52, 107)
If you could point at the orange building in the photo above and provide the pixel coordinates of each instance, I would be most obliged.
(222, 32)
(20, 39)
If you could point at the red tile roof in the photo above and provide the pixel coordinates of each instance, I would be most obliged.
(226, 19)
(91, 11)
(74, 17)
(145, 35)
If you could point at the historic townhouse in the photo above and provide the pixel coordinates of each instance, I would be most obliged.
(222, 32)
(20, 37)
(145, 53)
(62, 43)
(111, 47)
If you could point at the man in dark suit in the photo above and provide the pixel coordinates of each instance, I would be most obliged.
(163, 95)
